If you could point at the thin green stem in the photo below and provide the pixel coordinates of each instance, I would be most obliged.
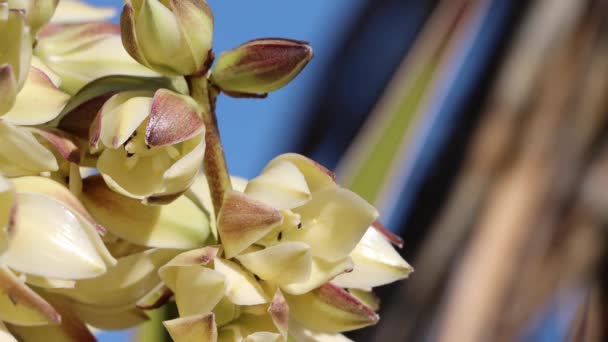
(214, 163)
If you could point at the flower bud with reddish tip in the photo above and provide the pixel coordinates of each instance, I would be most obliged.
(172, 37)
(260, 66)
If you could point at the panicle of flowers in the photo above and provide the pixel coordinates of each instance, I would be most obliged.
(115, 197)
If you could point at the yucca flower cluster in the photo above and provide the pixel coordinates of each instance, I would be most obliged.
(115, 196)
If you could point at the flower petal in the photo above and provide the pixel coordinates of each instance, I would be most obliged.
(5, 335)
(193, 328)
(279, 312)
(156, 298)
(180, 176)
(47, 233)
(80, 54)
(173, 118)
(121, 115)
(16, 48)
(49, 283)
(71, 327)
(321, 272)
(7, 211)
(8, 88)
(180, 224)
(330, 309)
(197, 288)
(280, 185)
(39, 101)
(376, 263)
(317, 176)
(110, 317)
(74, 11)
(133, 277)
(241, 287)
(57, 192)
(333, 222)
(21, 154)
(243, 220)
(65, 144)
(140, 180)
(263, 336)
(284, 263)
(54, 191)
(20, 305)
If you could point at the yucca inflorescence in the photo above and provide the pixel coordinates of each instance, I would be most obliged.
(106, 213)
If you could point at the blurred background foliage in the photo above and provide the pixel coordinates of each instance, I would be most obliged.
(477, 127)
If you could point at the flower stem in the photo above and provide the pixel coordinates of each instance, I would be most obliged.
(214, 163)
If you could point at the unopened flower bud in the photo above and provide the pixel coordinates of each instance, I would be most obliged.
(172, 37)
(37, 12)
(260, 66)
(15, 54)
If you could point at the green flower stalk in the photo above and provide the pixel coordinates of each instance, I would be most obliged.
(115, 195)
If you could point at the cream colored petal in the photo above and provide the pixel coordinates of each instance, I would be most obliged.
(110, 317)
(230, 333)
(241, 286)
(49, 283)
(144, 178)
(226, 311)
(200, 194)
(284, 263)
(7, 211)
(330, 309)
(180, 224)
(281, 185)
(321, 272)
(193, 328)
(5, 335)
(38, 102)
(376, 263)
(16, 48)
(59, 193)
(264, 336)
(20, 305)
(74, 11)
(156, 298)
(242, 221)
(302, 334)
(38, 64)
(21, 154)
(198, 289)
(248, 324)
(47, 233)
(132, 278)
(80, 61)
(180, 176)
(71, 327)
(367, 297)
(279, 312)
(316, 175)
(333, 222)
(8, 88)
(121, 115)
